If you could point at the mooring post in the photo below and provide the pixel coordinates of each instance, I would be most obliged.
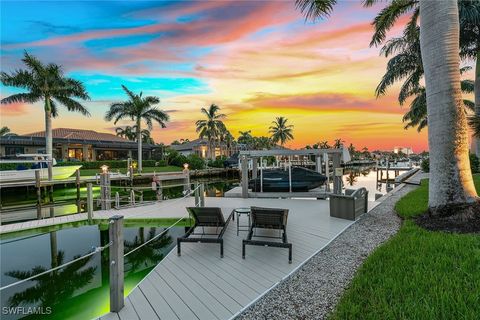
(197, 194)
(39, 194)
(117, 200)
(116, 263)
(289, 176)
(77, 183)
(186, 179)
(159, 190)
(244, 168)
(327, 171)
(202, 195)
(255, 167)
(105, 194)
(337, 174)
(90, 202)
(132, 197)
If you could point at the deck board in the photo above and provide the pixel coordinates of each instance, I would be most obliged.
(201, 285)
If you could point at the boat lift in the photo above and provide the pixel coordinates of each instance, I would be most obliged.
(320, 155)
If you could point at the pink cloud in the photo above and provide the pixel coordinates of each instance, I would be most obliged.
(13, 109)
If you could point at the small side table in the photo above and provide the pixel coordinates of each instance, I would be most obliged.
(242, 211)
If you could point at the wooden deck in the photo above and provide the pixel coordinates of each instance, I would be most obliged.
(317, 193)
(201, 285)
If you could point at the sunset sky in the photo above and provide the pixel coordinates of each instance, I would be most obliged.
(255, 59)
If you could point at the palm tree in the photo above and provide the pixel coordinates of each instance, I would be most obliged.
(227, 138)
(138, 108)
(281, 132)
(262, 143)
(338, 143)
(323, 145)
(211, 127)
(245, 138)
(47, 83)
(451, 181)
(130, 133)
(4, 131)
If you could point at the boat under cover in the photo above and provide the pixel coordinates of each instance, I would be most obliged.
(277, 180)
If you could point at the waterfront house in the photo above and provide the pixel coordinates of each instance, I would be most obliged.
(75, 145)
(200, 148)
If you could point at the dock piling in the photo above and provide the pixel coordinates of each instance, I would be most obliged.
(202, 195)
(39, 194)
(116, 264)
(77, 184)
(89, 202)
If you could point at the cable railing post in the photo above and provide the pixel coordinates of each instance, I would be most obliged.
(90, 202)
(186, 180)
(116, 263)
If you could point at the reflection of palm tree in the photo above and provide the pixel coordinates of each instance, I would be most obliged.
(351, 178)
(4, 131)
(149, 254)
(55, 286)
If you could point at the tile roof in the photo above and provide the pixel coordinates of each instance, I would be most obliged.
(79, 134)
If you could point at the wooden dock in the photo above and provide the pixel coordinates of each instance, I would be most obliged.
(201, 285)
(317, 193)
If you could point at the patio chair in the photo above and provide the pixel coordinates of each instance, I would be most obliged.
(205, 217)
(271, 219)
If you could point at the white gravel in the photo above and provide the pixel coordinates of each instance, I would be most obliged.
(313, 290)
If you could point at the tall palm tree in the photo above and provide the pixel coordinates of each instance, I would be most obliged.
(46, 83)
(139, 109)
(4, 131)
(245, 138)
(227, 139)
(211, 127)
(281, 131)
(451, 181)
(323, 145)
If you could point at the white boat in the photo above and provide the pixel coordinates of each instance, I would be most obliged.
(39, 164)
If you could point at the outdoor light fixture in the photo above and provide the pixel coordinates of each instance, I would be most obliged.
(185, 166)
(104, 168)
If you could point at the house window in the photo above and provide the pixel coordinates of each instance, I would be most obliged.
(75, 153)
(11, 151)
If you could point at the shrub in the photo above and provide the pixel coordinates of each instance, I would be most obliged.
(195, 162)
(425, 165)
(218, 162)
(474, 164)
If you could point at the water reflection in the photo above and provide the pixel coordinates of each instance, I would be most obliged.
(81, 289)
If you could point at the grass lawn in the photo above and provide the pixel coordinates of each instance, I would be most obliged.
(417, 274)
(92, 172)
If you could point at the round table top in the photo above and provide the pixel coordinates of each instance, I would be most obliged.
(242, 210)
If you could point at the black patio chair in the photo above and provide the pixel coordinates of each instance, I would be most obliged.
(268, 218)
(210, 217)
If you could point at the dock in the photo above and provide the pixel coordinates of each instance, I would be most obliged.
(201, 285)
(317, 193)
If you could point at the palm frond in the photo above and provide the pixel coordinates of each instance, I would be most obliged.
(73, 105)
(315, 9)
(21, 97)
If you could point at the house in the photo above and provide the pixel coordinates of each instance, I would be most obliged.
(405, 150)
(75, 145)
(200, 147)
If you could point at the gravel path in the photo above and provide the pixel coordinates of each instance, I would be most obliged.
(313, 291)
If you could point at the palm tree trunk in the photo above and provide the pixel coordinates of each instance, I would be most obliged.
(48, 137)
(476, 141)
(139, 141)
(450, 175)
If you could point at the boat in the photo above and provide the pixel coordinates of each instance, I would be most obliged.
(40, 163)
(277, 180)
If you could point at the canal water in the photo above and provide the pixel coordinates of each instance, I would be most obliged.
(80, 290)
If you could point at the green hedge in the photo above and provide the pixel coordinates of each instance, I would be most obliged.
(112, 164)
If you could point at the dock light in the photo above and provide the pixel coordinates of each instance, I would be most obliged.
(104, 168)
(185, 166)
